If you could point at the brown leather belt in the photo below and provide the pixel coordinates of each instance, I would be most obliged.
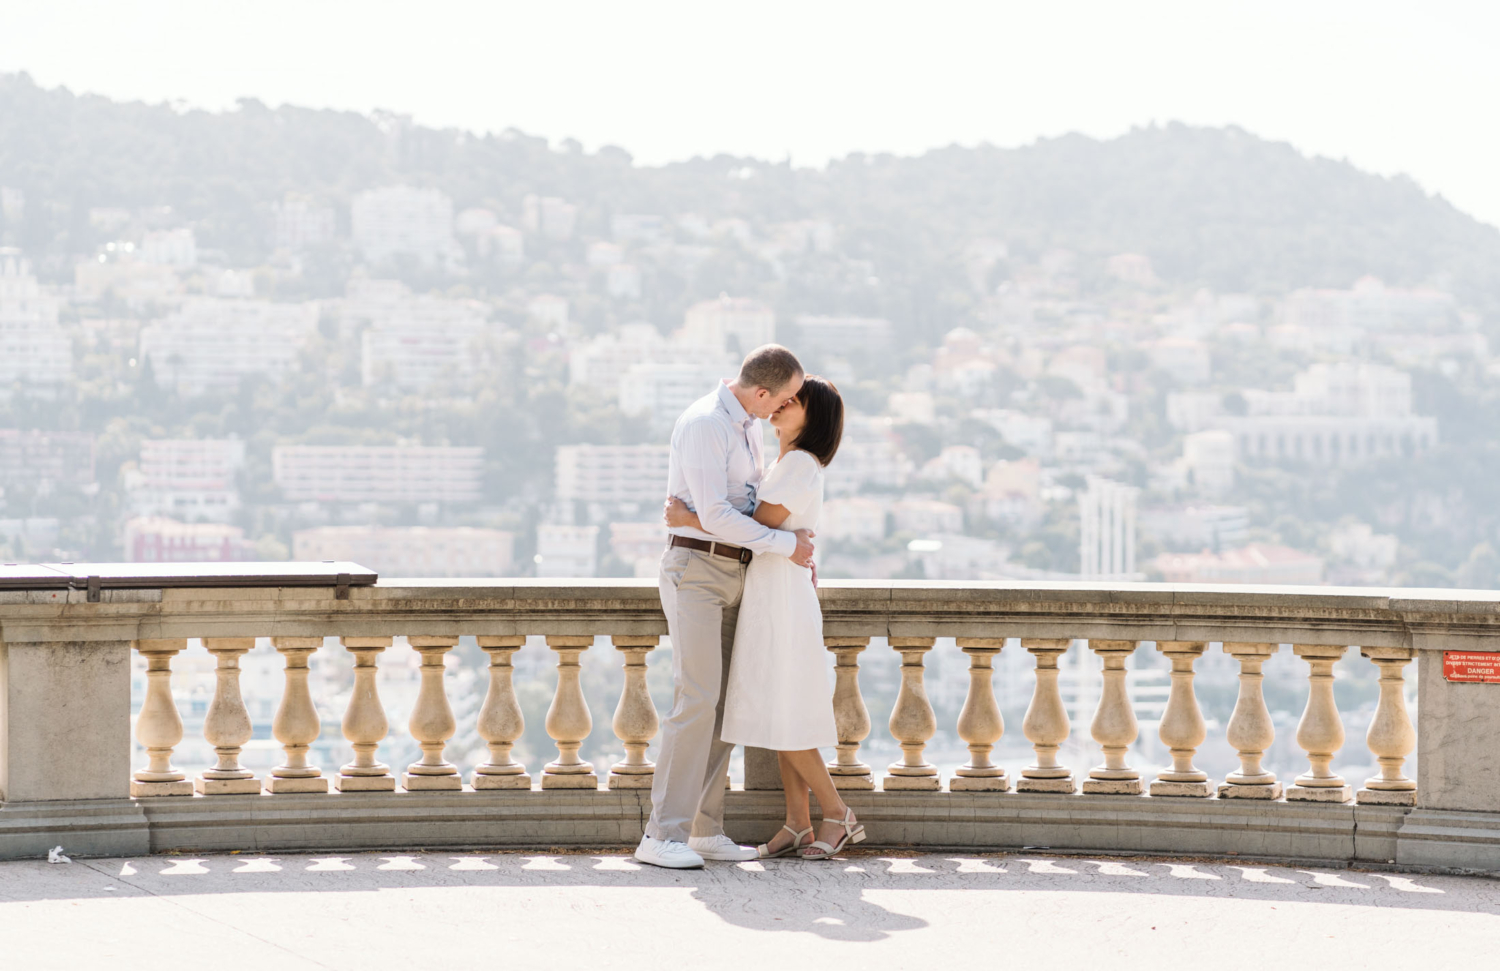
(718, 549)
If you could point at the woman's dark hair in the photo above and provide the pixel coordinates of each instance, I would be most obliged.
(823, 429)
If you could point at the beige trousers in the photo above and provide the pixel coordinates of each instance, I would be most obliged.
(700, 594)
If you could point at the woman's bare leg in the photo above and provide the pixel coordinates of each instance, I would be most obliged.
(813, 773)
(798, 810)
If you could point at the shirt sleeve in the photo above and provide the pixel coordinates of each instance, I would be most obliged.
(704, 455)
(793, 483)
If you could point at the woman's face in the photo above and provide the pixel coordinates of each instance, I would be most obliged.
(789, 419)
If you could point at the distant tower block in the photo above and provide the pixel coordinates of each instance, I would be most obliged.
(1106, 529)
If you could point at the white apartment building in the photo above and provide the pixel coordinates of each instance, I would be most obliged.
(623, 281)
(1106, 529)
(188, 479)
(612, 473)
(420, 342)
(600, 362)
(550, 216)
(926, 517)
(732, 323)
(567, 551)
(663, 391)
(866, 463)
(1185, 359)
(401, 219)
(299, 223)
(34, 351)
(855, 519)
(412, 551)
(1370, 306)
(170, 247)
(837, 336)
(633, 226)
(212, 342)
(549, 309)
(378, 473)
(639, 544)
(1029, 433)
(1208, 458)
(157, 539)
(960, 462)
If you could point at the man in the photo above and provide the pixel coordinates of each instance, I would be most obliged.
(715, 468)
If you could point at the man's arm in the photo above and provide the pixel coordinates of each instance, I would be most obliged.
(704, 455)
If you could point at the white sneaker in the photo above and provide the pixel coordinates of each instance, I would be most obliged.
(721, 847)
(667, 853)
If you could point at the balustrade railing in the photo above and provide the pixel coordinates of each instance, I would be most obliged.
(913, 722)
(64, 692)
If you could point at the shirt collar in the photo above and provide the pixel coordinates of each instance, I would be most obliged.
(732, 405)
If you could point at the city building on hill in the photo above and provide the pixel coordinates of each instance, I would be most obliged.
(1012, 492)
(298, 223)
(1196, 527)
(954, 556)
(170, 247)
(123, 277)
(925, 517)
(837, 336)
(567, 551)
(553, 218)
(188, 479)
(863, 464)
(600, 362)
(1208, 461)
(550, 310)
(1185, 359)
(1106, 529)
(157, 539)
(955, 463)
(412, 551)
(1370, 306)
(641, 227)
(853, 519)
(414, 342)
(736, 324)
(401, 220)
(623, 281)
(1031, 434)
(1257, 563)
(378, 473)
(662, 392)
(612, 473)
(638, 544)
(211, 342)
(33, 459)
(35, 354)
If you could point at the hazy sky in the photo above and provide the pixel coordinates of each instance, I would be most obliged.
(1393, 87)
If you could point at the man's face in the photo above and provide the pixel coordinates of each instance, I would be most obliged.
(766, 402)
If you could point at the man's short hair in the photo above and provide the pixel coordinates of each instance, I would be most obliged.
(769, 366)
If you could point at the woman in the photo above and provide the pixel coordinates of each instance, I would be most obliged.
(778, 694)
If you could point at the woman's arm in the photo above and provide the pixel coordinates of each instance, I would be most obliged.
(676, 513)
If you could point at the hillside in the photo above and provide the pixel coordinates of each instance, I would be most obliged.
(1214, 207)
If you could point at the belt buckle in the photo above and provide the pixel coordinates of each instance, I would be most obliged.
(745, 555)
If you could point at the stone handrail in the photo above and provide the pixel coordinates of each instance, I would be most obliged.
(64, 691)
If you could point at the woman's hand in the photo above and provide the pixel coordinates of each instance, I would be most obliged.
(676, 513)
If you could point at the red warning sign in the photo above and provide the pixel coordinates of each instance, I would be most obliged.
(1481, 666)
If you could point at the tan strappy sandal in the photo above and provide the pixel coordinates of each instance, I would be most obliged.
(854, 832)
(766, 853)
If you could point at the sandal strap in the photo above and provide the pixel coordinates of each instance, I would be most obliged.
(827, 848)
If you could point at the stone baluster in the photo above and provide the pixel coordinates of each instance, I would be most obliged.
(635, 722)
(365, 724)
(1046, 721)
(912, 720)
(1320, 732)
(1182, 727)
(1391, 736)
(159, 726)
(1251, 730)
(432, 722)
(500, 718)
(227, 726)
(1114, 726)
(850, 715)
(980, 724)
(568, 718)
(296, 725)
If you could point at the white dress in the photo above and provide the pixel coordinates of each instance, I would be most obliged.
(778, 696)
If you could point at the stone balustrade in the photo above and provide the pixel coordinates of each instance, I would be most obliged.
(65, 726)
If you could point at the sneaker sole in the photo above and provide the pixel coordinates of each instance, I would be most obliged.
(670, 866)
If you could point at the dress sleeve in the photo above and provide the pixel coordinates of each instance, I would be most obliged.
(793, 483)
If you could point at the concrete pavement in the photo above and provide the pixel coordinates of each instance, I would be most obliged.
(473, 910)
